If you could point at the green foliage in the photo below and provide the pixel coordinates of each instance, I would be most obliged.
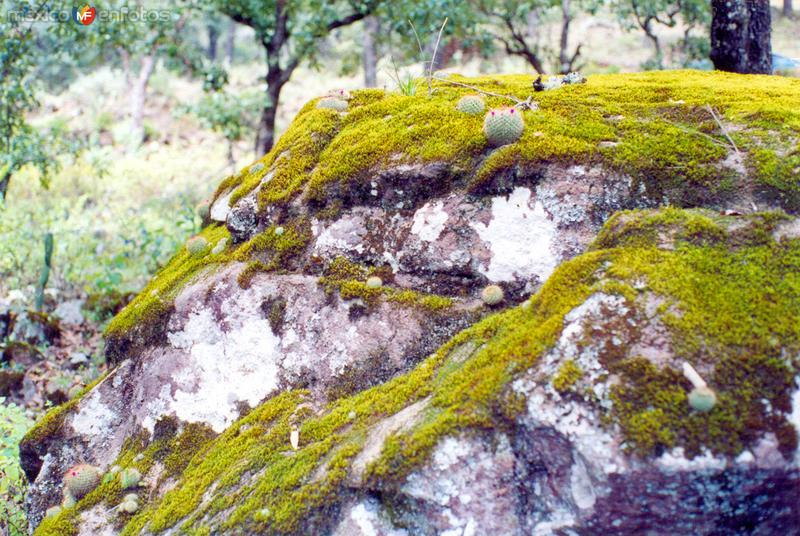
(13, 425)
(503, 126)
(20, 144)
(232, 115)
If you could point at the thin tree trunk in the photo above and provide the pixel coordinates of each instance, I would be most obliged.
(740, 36)
(265, 136)
(787, 8)
(213, 37)
(370, 56)
(563, 55)
(231, 160)
(138, 96)
(230, 42)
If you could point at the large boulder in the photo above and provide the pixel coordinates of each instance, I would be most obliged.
(326, 365)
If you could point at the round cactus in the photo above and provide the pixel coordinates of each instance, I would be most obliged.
(331, 103)
(341, 94)
(53, 511)
(81, 479)
(471, 104)
(129, 507)
(279, 231)
(492, 295)
(196, 245)
(374, 282)
(702, 399)
(503, 126)
(129, 478)
(131, 497)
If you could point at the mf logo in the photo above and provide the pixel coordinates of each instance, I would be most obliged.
(84, 15)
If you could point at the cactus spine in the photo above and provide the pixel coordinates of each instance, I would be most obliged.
(492, 295)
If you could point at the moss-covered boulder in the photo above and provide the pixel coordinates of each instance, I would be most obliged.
(642, 225)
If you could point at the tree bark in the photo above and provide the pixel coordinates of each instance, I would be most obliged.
(213, 38)
(740, 36)
(787, 8)
(230, 43)
(138, 96)
(276, 79)
(370, 56)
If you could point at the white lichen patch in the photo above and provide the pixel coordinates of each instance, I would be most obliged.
(343, 235)
(520, 236)
(453, 485)
(794, 419)
(676, 461)
(93, 418)
(226, 367)
(366, 518)
(429, 221)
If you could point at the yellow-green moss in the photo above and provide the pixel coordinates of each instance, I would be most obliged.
(349, 279)
(568, 374)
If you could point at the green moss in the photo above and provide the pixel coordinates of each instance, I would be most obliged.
(349, 279)
(568, 374)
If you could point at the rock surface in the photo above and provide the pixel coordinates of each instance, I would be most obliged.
(625, 246)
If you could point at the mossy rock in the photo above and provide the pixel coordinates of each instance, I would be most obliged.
(596, 351)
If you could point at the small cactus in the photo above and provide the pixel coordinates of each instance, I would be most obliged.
(331, 103)
(81, 479)
(374, 282)
(196, 245)
(471, 104)
(492, 295)
(279, 231)
(702, 399)
(68, 501)
(503, 126)
(220, 247)
(341, 94)
(129, 478)
(53, 511)
(131, 497)
(129, 507)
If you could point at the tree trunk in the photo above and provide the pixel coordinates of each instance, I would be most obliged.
(563, 55)
(740, 36)
(230, 45)
(213, 37)
(370, 57)
(787, 8)
(138, 96)
(265, 136)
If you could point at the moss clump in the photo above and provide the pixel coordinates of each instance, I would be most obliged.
(347, 278)
(568, 374)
